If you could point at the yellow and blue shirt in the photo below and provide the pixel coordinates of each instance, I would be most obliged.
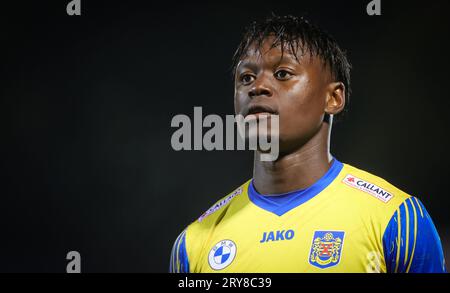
(348, 221)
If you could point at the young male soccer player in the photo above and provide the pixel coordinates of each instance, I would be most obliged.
(306, 211)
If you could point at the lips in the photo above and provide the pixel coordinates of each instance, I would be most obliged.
(260, 109)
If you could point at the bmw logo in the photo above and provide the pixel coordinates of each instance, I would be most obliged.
(222, 254)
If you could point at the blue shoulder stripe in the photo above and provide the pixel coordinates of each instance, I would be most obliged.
(411, 243)
(179, 262)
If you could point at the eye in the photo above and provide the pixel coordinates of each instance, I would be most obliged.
(282, 74)
(247, 78)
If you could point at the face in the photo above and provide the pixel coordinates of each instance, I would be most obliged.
(300, 92)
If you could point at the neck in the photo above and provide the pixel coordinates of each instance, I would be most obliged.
(296, 170)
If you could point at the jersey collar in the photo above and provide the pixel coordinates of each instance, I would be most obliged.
(280, 204)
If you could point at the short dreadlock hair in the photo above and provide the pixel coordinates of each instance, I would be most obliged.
(294, 34)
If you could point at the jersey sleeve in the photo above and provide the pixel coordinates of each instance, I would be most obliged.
(179, 262)
(411, 243)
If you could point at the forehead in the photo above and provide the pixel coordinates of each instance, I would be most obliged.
(269, 54)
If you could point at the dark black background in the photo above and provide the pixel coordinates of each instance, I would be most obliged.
(87, 103)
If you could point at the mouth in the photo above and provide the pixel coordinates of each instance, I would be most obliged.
(257, 110)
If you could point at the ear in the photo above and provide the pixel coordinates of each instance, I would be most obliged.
(335, 102)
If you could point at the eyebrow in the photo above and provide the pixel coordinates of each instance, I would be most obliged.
(278, 59)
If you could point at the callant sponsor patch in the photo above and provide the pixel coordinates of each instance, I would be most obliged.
(368, 187)
(220, 204)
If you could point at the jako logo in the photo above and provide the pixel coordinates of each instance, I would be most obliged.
(277, 235)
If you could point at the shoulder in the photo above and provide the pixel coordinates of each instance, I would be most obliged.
(196, 233)
(410, 240)
(223, 203)
(210, 218)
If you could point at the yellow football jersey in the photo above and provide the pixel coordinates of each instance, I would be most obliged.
(348, 221)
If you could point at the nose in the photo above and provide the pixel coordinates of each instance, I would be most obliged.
(259, 89)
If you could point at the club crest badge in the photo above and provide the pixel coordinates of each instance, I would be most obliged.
(326, 248)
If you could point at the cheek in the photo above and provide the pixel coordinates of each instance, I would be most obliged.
(302, 109)
(240, 99)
